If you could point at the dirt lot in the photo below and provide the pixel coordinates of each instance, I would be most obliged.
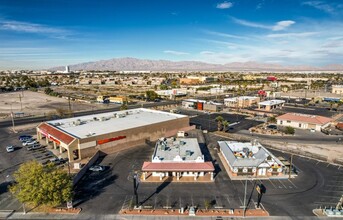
(37, 103)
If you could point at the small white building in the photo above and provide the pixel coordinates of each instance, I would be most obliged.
(303, 121)
(271, 104)
(249, 159)
(177, 158)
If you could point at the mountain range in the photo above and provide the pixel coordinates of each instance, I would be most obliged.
(134, 64)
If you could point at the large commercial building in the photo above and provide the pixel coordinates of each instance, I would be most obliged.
(178, 159)
(249, 159)
(303, 121)
(110, 132)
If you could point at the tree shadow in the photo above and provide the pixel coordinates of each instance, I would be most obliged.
(92, 186)
(163, 185)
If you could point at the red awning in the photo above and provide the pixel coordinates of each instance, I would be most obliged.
(55, 134)
(178, 166)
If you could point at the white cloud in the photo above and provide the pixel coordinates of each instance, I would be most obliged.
(220, 34)
(320, 6)
(224, 5)
(281, 25)
(206, 52)
(175, 52)
(27, 27)
(288, 35)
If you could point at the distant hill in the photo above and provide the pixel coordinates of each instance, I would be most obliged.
(134, 64)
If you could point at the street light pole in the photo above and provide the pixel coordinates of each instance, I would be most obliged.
(245, 196)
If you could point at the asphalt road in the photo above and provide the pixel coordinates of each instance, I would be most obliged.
(22, 121)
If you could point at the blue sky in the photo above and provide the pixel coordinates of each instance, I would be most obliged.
(38, 34)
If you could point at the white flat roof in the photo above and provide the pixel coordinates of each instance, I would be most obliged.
(168, 149)
(272, 102)
(98, 124)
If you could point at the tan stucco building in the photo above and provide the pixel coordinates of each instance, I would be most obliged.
(110, 132)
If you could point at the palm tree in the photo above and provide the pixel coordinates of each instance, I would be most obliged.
(225, 125)
(219, 119)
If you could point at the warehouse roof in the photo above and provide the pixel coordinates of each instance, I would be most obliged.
(312, 119)
(98, 124)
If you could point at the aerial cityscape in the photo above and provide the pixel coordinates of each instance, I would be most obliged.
(171, 109)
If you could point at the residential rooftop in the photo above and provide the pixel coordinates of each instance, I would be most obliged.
(177, 150)
(99, 124)
(313, 119)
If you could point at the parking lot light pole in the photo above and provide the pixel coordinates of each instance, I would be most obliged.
(245, 197)
(290, 167)
(135, 186)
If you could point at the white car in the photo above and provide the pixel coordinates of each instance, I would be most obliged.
(9, 149)
(312, 130)
(27, 143)
(96, 168)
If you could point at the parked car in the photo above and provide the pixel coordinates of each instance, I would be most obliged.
(96, 168)
(273, 127)
(33, 147)
(312, 130)
(9, 149)
(55, 160)
(27, 143)
(27, 139)
(24, 136)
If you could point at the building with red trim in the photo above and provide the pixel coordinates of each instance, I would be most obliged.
(177, 159)
(110, 132)
(304, 121)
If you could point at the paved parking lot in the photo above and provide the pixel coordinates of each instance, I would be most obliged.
(207, 121)
(10, 162)
(316, 185)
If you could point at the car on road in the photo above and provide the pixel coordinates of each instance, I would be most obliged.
(9, 149)
(312, 130)
(97, 168)
(27, 143)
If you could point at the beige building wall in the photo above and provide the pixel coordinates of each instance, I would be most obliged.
(337, 89)
(135, 136)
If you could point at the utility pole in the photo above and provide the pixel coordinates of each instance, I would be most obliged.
(21, 104)
(13, 120)
(290, 166)
(69, 104)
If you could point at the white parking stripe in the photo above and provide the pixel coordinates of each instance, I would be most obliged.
(282, 184)
(272, 184)
(292, 183)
